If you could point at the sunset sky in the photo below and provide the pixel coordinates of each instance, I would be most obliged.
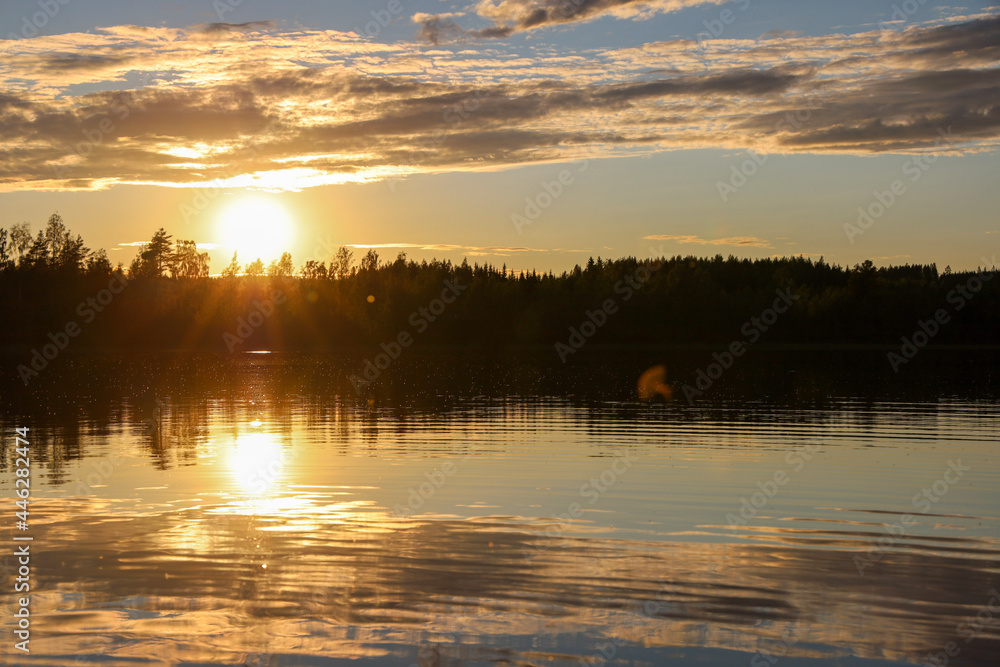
(752, 127)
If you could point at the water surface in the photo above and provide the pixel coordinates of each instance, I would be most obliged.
(255, 510)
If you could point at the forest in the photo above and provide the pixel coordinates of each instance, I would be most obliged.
(167, 299)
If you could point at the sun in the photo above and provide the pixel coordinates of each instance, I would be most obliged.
(256, 227)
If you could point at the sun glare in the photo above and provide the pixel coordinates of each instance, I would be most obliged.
(257, 463)
(256, 227)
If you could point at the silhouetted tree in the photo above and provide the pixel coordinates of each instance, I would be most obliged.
(38, 254)
(20, 239)
(66, 253)
(314, 270)
(680, 300)
(188, 262)
(156, 258)
(98, 264)
(282, 268)
(255, 269)
(74, 255)
(4, 259)
(55, 236)
(370, 261)
(342, 265)
(233, 269)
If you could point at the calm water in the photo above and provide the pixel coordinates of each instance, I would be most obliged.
(254, 510)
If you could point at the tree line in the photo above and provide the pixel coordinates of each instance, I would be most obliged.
(56, 250)
(172, 301)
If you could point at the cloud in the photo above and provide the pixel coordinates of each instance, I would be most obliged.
(229, 28)
(508, 17)
(502, 251)
(439, 30)
(740, 241)
(314, 108)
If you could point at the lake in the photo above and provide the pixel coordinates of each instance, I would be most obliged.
(810, 508)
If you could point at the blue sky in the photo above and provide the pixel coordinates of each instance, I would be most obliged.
(813, 17)
(683, 143)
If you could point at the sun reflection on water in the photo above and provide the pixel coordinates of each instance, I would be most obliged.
(257, 463)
